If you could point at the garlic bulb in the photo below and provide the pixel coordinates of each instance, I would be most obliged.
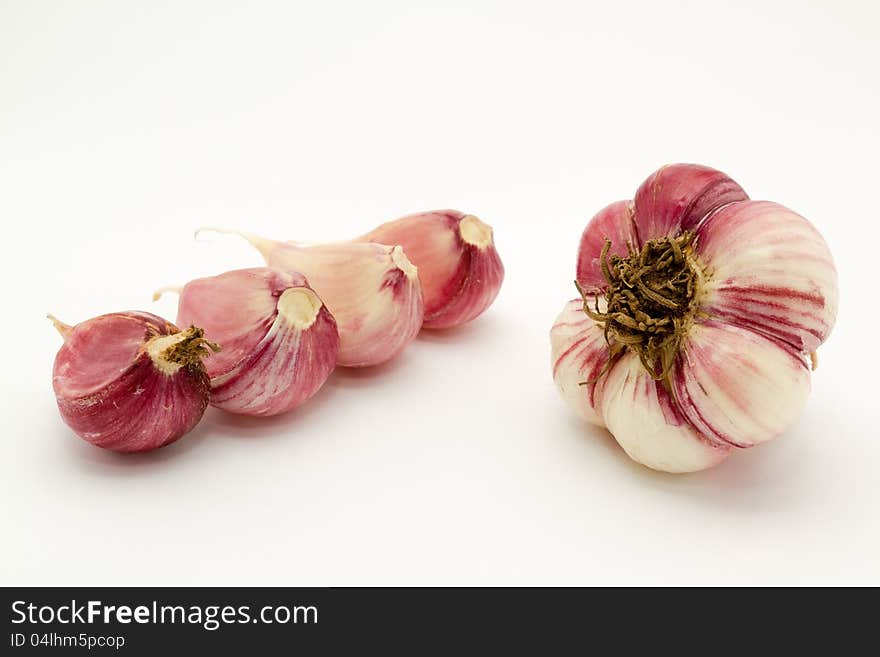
(372, 290)
(459, 268)
(699, 310)
(131, 381)
(279, 341)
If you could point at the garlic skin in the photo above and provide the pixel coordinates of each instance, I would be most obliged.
(459, 268)
(578, 356)
(279, 340)
(711, 303)
(677, 197)
(738, 387)
(372, 290)
(130, 381)
(614, 222)
(645, 421)
(771, 272)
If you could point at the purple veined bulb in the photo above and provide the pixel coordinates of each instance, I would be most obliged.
(280, 340)
(131, 381)
(700, 314)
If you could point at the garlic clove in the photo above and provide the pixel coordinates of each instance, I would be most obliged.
(372, 290)
(614, 223)
(131, 381)
(236, 310)
(646, 423)
(579, 356)
(738, 387)
(769, 271)
(459, 268)
(280, 341)
(677, 197)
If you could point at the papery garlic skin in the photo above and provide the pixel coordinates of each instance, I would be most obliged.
(645, 421)
(738, 387)
(769, 271)
(280, 341)
(714, 356)
(678, 197)
(578, 355)
(614, 222)
(372, 290)
(459, 267)
(635, 408)
(130, 381)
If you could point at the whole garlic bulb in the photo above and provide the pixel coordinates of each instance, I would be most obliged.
(130, 381)
(279, 340)
(699, 312)
(459, 267)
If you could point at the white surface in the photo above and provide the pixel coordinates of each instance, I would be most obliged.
(124, 126)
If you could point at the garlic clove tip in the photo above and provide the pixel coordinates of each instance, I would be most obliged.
(261, 244)
(175, 289)
(62, 328)
(398, 257)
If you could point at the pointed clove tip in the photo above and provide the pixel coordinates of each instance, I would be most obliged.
(176, 289)
(206, 229)
(218, 231)
(62, 328)
(404, 264)
(261, 244)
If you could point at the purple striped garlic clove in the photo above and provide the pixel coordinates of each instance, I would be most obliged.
(372, 290)
(459, 267)
(579, 356)
(614, 223)
(130, 381)
(769, 271)
(738, 387)
(280, 341)
(645, 421)
(678, 197)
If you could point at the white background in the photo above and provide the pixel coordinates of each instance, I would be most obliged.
(126, 125)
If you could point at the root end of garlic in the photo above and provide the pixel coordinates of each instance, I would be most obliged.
(398, 257)
(651, 298)
(475, 232)
(300, 306)
(171, 352)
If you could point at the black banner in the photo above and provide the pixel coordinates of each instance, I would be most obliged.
(347, 621)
